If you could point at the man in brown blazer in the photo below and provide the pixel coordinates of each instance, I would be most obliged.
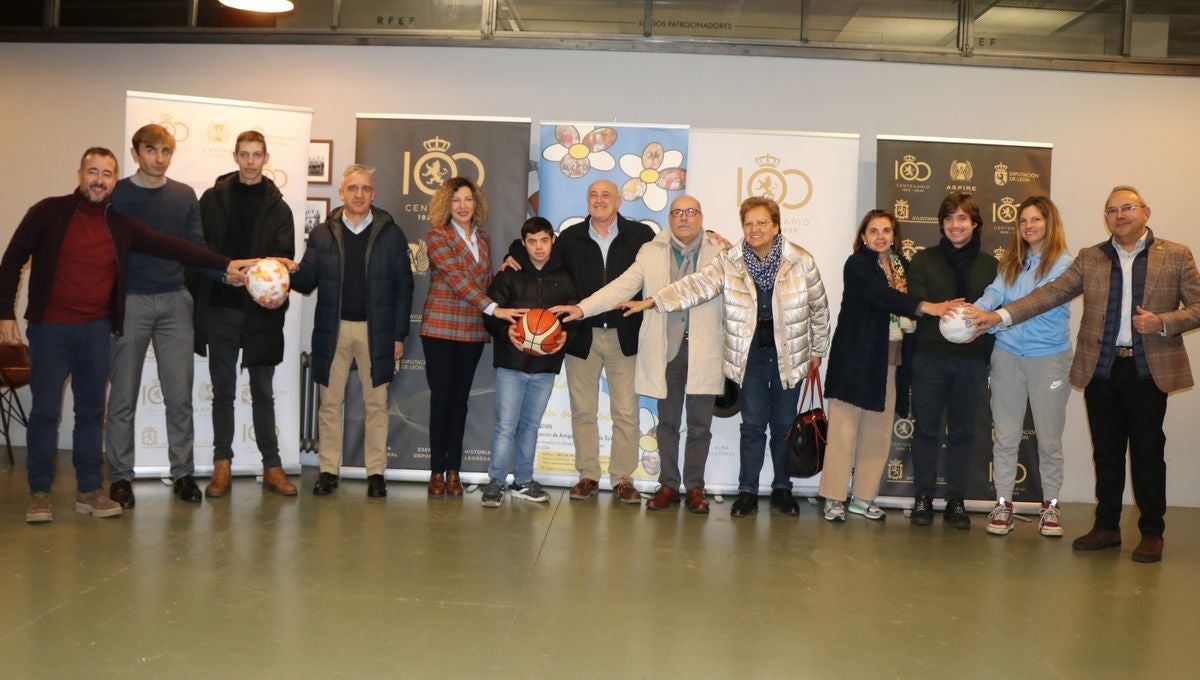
(1140, 294)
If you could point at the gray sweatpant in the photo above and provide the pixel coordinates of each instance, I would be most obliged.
(1042, 382)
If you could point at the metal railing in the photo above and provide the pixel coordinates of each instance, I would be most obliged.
(490, 34)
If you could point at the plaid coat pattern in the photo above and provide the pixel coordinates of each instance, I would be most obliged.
(457, 285)
(1172, 291)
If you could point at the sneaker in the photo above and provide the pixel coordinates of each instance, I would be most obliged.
(956, 514)
(834, 511)
(530, 491)
(493, 494)
(1000, 519)
(783, 502)
(39, 511)
(1049, 524)
(97, 504)
(922, 511)
(868, 509)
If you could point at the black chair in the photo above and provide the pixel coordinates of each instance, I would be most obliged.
(14, 374)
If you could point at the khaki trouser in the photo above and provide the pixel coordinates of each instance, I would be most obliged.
(858, 439)
(583, 383)
(352, 346)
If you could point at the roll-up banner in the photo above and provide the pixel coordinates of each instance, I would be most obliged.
(205, 131)
(913, 175)
(648, 164)
(412, 156)
(814, 178)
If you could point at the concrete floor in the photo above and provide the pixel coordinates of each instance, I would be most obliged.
(259, 586)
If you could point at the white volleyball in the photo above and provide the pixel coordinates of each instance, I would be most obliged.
(268, 282)
(956, 329)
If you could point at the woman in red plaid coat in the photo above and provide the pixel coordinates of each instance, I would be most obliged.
(452, 330)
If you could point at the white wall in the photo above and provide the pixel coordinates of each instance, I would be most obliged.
(1106, 129)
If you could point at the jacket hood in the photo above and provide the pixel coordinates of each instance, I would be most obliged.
(224, 183)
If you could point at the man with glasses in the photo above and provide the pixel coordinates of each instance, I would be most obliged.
(679, 357)
(1140, 294)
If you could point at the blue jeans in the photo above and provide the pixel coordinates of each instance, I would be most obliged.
(521, 400)
(58, 351)
(765, 403)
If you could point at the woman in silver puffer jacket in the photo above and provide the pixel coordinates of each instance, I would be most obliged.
(776, 323)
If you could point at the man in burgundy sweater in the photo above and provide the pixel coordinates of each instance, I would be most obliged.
(80, 248)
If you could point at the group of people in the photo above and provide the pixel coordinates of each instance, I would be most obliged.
(671, 316)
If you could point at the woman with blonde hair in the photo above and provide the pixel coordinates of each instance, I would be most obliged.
(1030, 363)
(452, 330)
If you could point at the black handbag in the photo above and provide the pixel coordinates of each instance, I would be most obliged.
(809, 434)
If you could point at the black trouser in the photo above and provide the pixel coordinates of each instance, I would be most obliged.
(224, 345)
(1126, 412)
(449, 370)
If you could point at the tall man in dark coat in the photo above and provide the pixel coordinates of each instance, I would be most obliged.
(244, 215)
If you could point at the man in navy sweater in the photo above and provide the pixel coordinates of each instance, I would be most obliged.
(158, 309)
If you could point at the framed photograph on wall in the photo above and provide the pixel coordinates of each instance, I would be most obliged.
(315, 212)
(320, 161)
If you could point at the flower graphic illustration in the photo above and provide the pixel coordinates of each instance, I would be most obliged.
(580, 150)
(652, 175)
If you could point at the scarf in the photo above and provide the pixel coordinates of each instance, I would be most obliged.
(898, 281)
(690, 253)
(763, 271)
(960, 260)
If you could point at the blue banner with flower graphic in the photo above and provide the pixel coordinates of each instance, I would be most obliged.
(647, 163)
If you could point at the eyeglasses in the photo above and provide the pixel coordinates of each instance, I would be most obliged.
(760, 224)
(1125, 209)
(680, 212)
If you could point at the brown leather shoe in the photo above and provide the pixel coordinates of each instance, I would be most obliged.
(437, 484)
(627, 493)
(665, 498)
(1098, 539)
(1149, 550)
(584, 488)
(222, 478)
(453, 484)
(696, 502)
(276, 480)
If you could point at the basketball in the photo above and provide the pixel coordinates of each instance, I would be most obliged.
(539, 333)
(956, 329)
(267, 281)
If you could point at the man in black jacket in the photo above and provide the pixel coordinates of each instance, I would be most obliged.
(359, 259)
(524, 381)
(596, 251)
(244, 215)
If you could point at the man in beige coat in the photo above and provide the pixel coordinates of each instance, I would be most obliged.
(1140, 294)
(679, 353)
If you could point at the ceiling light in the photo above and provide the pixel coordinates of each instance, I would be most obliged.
(267, 6)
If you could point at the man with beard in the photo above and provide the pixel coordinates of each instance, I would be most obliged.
(80, 248)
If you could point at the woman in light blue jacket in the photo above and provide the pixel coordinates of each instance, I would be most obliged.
(1030, 364)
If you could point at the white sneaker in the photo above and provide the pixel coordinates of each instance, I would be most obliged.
(1000, 519)
(835, 511)
(868, 509)
(1049, 522)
